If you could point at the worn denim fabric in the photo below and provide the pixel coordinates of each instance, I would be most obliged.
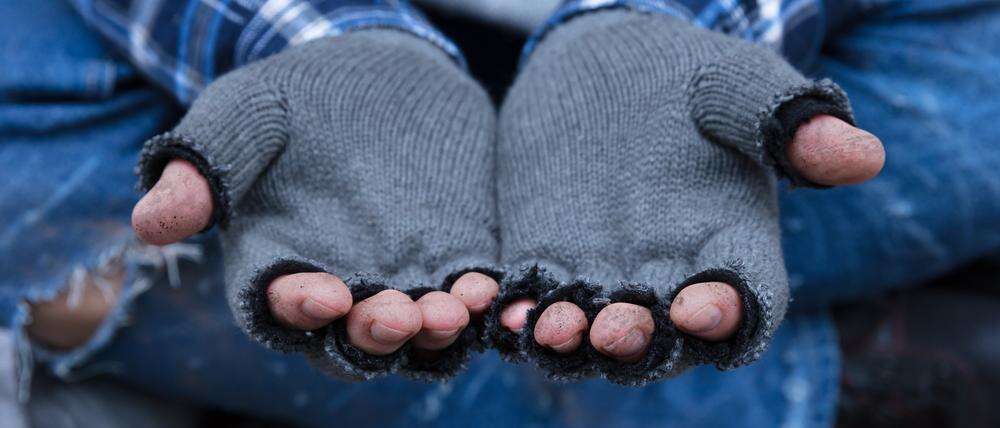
(920, 73)
(72, 121)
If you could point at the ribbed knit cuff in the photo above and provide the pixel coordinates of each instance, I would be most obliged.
(254, 314)
(579, 363)
(340, 357)
(751, 334)
(792, 110)
(232, 132)
(530, 281)
(756, 104)
(478, 326)
(547, 284)
(670, 351)
(446, 363)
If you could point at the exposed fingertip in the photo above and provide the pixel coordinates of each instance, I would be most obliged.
(560, 327)
(309, 300)
(444, 317)
(396, 310)
(179, 205)
(829, 151)
(442, 311)
(382, 323)
(514, 316)
(476, 291)
(622, 331)
(710, 311)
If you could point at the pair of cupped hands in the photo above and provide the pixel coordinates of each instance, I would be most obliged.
(184, 199)
(181, 204)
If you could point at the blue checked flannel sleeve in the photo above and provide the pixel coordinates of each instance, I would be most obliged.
(795, 28)
(185, 44)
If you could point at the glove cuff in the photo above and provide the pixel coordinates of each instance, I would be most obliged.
(232, 132)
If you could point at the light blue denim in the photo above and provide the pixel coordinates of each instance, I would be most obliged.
(922, 75)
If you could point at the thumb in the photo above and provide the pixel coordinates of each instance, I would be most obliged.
(829, 151)
(179, 205)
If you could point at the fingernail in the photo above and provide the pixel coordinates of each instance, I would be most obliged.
(704, 319)
(628, 345)
(314, 309)
(441, 335)
(386, 335)
(479, 307)
(567, 346)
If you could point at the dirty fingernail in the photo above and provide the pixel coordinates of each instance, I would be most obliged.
(629, 345)
(704, 319)
(387, 335)
(314, 309)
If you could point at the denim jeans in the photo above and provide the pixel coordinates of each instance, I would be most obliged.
(921, 75)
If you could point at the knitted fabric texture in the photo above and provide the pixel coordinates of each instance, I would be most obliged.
(369, 156)
(637, 155)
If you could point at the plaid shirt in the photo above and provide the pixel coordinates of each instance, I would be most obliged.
(793, 27)
(185, 44)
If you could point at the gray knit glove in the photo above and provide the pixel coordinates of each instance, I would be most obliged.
(368, 156)
(637, 156)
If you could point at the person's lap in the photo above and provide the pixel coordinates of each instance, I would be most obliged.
(181, 342)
